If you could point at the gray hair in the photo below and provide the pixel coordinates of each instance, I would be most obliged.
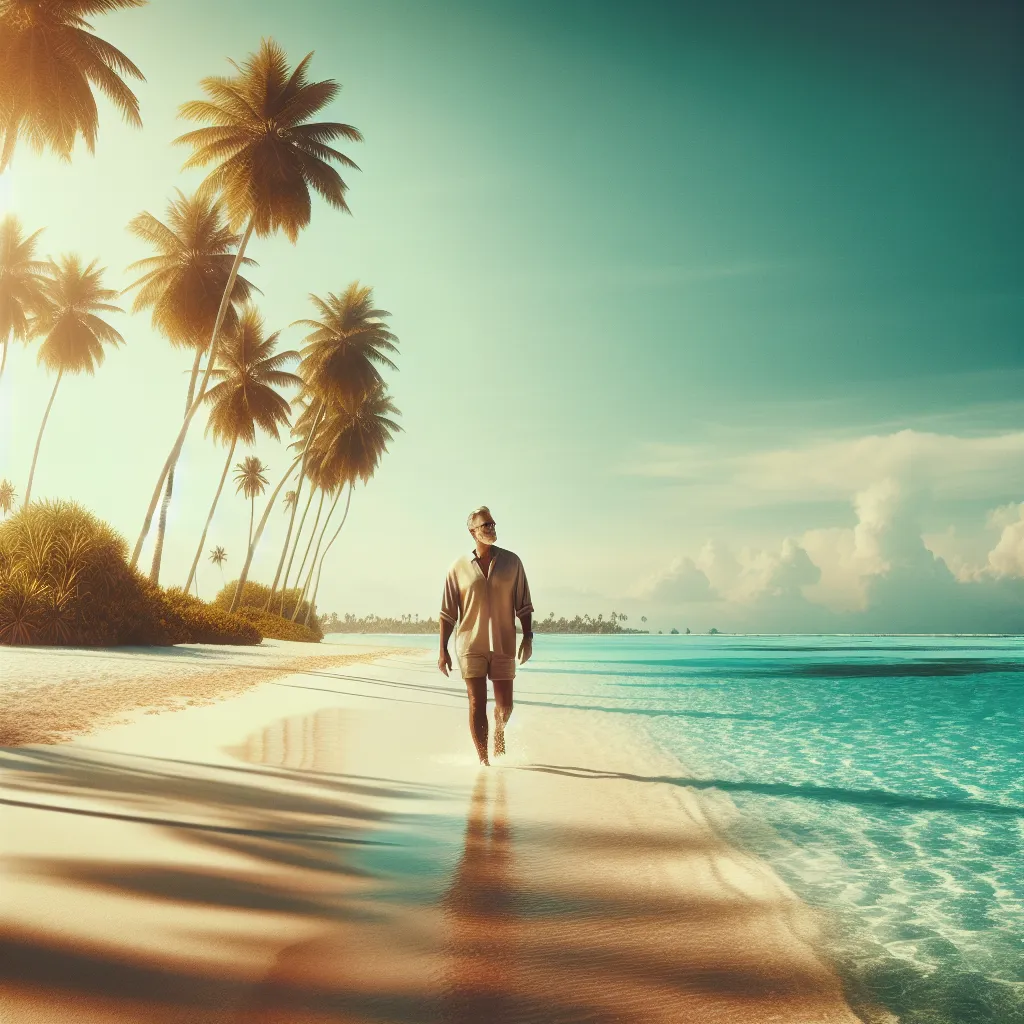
(482, 510)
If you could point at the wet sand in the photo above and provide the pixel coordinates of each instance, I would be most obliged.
(323, 848)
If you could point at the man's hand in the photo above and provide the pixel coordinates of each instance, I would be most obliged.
(525, 650)
(444, 660)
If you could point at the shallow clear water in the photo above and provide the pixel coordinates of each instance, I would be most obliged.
(883, 777)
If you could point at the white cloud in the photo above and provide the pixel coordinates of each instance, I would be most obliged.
(945, 465)
(1006, 559)
(878, 576)
(680, 583)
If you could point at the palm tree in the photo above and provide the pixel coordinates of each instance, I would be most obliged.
(346, 345)
(250, 475)
(266, 157)
(73, 335)
(289, 500)
(350, 447)
(49, 64)
(245, 396)
(219, 556)
(339, 363)
(7, 496)
(20, 282)
(183, 285)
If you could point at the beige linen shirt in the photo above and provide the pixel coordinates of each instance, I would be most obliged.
(485, 607)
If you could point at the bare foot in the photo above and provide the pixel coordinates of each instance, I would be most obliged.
(484, 763)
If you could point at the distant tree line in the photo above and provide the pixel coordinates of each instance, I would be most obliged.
(414, 624)
(376, 624)
(585, 624)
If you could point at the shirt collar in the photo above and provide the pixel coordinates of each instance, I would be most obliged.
(494, 551)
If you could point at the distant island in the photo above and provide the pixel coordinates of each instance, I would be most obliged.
(414, 624)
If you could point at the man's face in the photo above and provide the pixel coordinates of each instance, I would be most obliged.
(484, 529)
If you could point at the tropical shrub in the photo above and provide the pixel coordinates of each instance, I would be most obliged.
(204, 623)
(65, 579)
(277, 627)
(254, 595)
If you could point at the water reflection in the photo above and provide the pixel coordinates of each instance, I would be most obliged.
(480, 920)
(313, 742)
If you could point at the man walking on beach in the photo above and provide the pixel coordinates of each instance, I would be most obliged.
(483, 594)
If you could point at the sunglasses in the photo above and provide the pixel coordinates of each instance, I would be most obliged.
(485, 526)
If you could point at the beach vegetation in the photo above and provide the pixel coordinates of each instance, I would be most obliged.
(266, 157)
(350, 447)
(7, 496)
(583, 624)
(251, 478)
(188, 620)
(182, 286)
(65, 580)
(245, 397)
(339, 366)
(21, 287)
(254, 595)
(279, 628)
(378, 624)
(579, 624)
(72, 331)
(49, 64)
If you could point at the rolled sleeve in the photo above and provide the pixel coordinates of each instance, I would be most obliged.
(521, 594)
(450, 604)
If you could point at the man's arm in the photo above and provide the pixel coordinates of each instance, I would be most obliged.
(526, 647)
(444, 659)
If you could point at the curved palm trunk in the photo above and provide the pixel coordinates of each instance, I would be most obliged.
(161, 529)
(211, 360)
(209, 518)
(3, 361)
(323, 557)
(312, 536)
(295, 544)
(244, 575)
(39, 439)
(252, 515)
(316, 554)
(291, 520)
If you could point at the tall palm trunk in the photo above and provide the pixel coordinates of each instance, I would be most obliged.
(211, 360)
(295, 544)
(39, 439)
(209, 518)
(158, 549)
(291, 520)
(312, 536)
(252, 515)
(319, 541)
(244, 575)
(3, 360)
(323, 557)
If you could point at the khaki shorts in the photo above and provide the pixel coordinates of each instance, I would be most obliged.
(479, 666)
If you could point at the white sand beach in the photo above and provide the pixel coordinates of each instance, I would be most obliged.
(301, 834)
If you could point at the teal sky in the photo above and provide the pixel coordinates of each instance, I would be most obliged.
(660, 277)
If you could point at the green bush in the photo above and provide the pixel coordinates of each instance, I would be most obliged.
(65, 579)
(254, 595)
(280, 629)
(203, 623)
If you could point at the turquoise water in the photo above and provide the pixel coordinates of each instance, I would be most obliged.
(883, 777)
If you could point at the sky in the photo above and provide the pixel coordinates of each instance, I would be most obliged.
(719, 308)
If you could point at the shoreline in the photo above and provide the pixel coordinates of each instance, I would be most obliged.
(324, 845)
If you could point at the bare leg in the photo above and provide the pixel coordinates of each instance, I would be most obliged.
(502, 712)
(477, 690)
